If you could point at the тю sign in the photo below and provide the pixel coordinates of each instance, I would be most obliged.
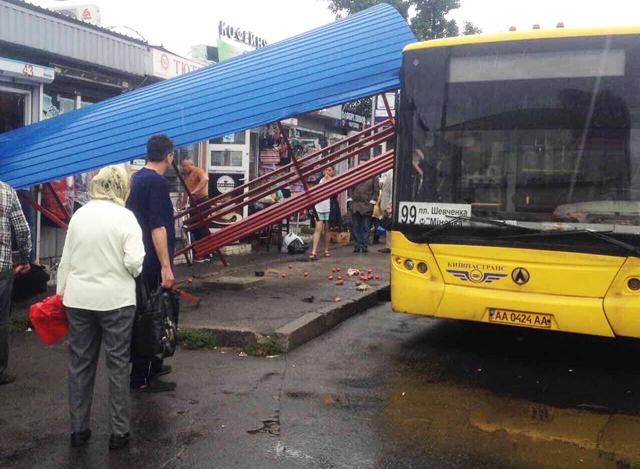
(240, 35)
(166, 65)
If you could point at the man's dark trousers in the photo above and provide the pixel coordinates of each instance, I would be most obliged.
(143, 369)
(6, 286)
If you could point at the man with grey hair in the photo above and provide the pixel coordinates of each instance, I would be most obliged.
(13, 225)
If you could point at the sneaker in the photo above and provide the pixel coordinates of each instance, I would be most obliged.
(385, 250)
(80, 438)
(119, 441)
(356, 249)
(365, 249)
(155, 386)
(6, 378)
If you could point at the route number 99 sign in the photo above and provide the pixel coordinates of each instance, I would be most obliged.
(425, 213)
(408, 214)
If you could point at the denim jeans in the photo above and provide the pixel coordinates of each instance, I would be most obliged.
(360, 229)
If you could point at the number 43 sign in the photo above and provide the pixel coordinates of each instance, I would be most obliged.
(28, 70)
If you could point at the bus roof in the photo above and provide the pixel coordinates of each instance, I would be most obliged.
(534, 34)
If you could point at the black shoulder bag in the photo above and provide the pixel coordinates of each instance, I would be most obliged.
(156, 322)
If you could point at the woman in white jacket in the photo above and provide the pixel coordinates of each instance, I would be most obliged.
(102, 255)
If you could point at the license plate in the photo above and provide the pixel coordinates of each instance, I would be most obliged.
(520, 318)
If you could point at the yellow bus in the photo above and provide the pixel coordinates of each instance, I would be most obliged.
(517, 180)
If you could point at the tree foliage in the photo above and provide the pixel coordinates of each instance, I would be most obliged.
(361, 107)
(428, 17)
(470, 29)
(341, 7)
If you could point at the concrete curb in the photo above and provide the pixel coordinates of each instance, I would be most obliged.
(301, 330)
(312, 325)
(227, 337)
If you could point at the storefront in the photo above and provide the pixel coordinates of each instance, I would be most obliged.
(52, 64)
(20, 90)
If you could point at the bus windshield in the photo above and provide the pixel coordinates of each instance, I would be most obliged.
(542, 135)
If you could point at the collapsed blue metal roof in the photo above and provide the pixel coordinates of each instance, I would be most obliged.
(351, 58)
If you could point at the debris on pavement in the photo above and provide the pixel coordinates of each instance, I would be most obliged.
(362, 287)
(309, 299)
(353, 272)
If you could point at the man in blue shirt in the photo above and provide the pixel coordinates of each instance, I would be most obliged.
(150, 202)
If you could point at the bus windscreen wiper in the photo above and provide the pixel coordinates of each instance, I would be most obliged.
(487, 221)
(493, 222)
(596, 234)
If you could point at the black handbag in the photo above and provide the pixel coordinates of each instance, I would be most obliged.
(155, 326)
(169, 302)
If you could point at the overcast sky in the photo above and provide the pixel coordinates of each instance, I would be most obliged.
(183, 23)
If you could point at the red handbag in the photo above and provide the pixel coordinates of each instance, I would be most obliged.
(49, 320)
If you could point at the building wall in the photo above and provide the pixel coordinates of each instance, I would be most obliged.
(32, 27)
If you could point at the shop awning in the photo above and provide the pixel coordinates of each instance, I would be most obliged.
(349, 59)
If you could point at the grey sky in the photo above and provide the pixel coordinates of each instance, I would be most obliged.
(180, 24)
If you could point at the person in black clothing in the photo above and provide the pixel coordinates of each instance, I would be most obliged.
(150, 202)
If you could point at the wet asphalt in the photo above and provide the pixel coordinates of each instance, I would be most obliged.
(381, 390)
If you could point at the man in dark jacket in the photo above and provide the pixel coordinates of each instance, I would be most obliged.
(150, 202)
(363, 198)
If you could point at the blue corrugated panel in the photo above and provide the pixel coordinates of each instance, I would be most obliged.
(349, 59)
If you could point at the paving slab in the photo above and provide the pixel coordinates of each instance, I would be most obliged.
(282, 304)
(232, 283)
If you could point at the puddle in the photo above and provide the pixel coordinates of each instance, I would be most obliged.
(509, 432)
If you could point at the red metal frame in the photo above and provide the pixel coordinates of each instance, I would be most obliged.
(307, 166)
(47, 213)
(240, 190)
(388, 108)
(56, 197)
(296, 171)
(288, 207)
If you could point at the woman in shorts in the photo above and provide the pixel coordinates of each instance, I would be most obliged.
(322, 209)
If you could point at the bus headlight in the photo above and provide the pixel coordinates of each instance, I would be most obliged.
(633, 284)
(408, 264)
(422, 267)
